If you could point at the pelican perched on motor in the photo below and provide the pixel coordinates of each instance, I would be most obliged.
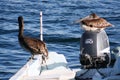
(93, 22)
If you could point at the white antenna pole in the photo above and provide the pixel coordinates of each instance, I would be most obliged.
(41, 29)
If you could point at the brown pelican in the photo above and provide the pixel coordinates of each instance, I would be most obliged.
(34, 46)
(93, 23)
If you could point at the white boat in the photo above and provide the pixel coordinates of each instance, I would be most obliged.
(55, 68)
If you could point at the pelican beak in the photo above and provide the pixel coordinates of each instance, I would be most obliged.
(112, 25)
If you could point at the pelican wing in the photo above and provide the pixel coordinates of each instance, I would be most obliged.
(34, 45)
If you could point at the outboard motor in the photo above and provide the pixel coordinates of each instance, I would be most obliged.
(95, 50)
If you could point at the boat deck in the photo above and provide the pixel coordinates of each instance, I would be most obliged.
(55, 68)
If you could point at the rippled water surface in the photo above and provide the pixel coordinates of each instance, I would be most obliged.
(60, 34)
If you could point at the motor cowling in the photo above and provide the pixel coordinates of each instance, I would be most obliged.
(95, 50)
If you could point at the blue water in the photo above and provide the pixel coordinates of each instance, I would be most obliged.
(60, 34)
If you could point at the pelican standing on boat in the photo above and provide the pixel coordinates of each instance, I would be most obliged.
(34, 46)
(93, 23)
